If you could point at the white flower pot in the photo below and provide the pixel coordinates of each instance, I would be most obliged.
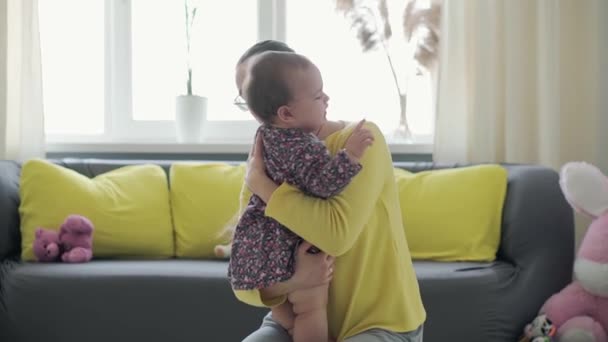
(190, 117)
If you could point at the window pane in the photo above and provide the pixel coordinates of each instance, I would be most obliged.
(221, 32)
(360, 85)
(158, 58)
(72, 43)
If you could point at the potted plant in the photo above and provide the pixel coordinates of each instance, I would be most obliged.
(190, 109)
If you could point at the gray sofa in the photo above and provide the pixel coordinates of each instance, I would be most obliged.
(191, 300)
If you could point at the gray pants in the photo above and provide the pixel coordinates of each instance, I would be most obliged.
(271, 331)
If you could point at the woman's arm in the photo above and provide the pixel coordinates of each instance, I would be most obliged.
(259, 183)
(333, 224)
(256, 178)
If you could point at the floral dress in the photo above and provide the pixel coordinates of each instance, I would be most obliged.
(263, 250)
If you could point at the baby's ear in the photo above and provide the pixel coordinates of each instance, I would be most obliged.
(284, 114)
(585, 188)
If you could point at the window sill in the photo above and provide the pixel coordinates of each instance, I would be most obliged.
(201, 148)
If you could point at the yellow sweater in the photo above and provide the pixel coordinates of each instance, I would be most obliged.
(374, 284)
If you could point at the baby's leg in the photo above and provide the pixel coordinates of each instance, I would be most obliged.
(310, 308)
(283, 314)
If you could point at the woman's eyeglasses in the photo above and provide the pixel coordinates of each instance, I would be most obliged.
(240, 103)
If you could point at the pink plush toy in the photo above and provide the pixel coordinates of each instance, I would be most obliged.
(76, 238)
(46, 245)
(580, 311)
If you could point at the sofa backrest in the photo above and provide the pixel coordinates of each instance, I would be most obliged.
(535, 215)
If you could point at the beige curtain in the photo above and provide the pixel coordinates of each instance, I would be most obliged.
(21, 110)
(524, 81)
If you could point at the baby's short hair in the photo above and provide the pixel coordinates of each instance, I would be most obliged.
(266, 87)
(264, 46)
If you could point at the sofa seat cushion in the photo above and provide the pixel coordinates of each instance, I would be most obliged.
(170, 300)
(175, 300)
(466, 301)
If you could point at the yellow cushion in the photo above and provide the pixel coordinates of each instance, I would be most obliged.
(129, 207)
(453, 214)
(204, 201)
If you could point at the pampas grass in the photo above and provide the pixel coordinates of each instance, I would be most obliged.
(421, 25)
(190, 16)
(421, 28)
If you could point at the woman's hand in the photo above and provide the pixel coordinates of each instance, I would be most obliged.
(255, 177)
(311, 270)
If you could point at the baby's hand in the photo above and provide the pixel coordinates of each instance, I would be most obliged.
(358, 142)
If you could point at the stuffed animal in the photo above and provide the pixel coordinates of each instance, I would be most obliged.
(580, 311)
(76, 238)
(46, 245)
(540, 330)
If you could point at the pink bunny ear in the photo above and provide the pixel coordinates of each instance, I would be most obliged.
(38, 232)
(585, 188)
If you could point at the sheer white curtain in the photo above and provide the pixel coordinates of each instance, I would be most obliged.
(524, 81)
(21, 110)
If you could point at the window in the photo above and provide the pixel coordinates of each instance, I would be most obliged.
(112, 69)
